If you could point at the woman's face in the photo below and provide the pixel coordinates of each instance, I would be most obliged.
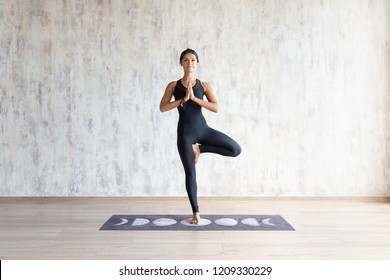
(189, 63)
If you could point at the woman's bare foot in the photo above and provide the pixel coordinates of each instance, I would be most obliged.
(196, 149)
(195, 219)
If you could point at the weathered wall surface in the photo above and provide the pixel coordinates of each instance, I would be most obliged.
(303, 87)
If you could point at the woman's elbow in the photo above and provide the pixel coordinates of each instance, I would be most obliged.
(215, 108)
(162, 108)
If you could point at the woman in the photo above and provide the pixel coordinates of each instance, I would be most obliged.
(193, 134)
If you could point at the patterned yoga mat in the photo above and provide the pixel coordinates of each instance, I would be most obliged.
(207, 223)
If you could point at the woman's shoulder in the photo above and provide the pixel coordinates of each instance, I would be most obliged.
(172, 85)
(205, 85)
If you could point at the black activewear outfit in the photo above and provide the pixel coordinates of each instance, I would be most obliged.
(192, 128)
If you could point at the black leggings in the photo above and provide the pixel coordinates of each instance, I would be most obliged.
(194, 131)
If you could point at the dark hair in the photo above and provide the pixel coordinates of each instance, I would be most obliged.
(189, 51)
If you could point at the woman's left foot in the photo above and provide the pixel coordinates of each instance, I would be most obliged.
(196, 149)
(195, 219)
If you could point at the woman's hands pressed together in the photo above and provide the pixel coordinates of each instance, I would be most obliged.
(189, 92)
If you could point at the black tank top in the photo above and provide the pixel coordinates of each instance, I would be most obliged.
(189, 109)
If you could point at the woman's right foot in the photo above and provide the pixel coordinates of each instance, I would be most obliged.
(195, 148)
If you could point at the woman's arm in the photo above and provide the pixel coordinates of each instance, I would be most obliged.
(166, 104)
(211, 103)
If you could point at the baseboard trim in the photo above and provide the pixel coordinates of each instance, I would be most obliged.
(261, 198)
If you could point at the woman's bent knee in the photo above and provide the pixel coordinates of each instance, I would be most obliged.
(236, 150)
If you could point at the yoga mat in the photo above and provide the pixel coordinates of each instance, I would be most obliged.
(207, 223)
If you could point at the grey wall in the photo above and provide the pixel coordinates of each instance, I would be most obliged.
(303, 86)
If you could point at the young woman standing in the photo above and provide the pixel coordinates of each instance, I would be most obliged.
(194, 136)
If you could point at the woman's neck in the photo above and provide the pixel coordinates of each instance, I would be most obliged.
(188, 77)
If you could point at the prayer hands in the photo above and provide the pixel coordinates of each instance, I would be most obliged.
(189, 92)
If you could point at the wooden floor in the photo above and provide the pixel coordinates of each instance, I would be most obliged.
(68, 228)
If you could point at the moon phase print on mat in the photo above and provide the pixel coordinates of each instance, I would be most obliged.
(122, 222)
(257, 223)
(251, 222)
(164, 222)
(202, 222)
(140, 222)
(267, 222)
(136, 222)
(228, 222)
(206, 223)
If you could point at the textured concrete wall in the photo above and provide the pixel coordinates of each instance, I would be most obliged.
(303, 87)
